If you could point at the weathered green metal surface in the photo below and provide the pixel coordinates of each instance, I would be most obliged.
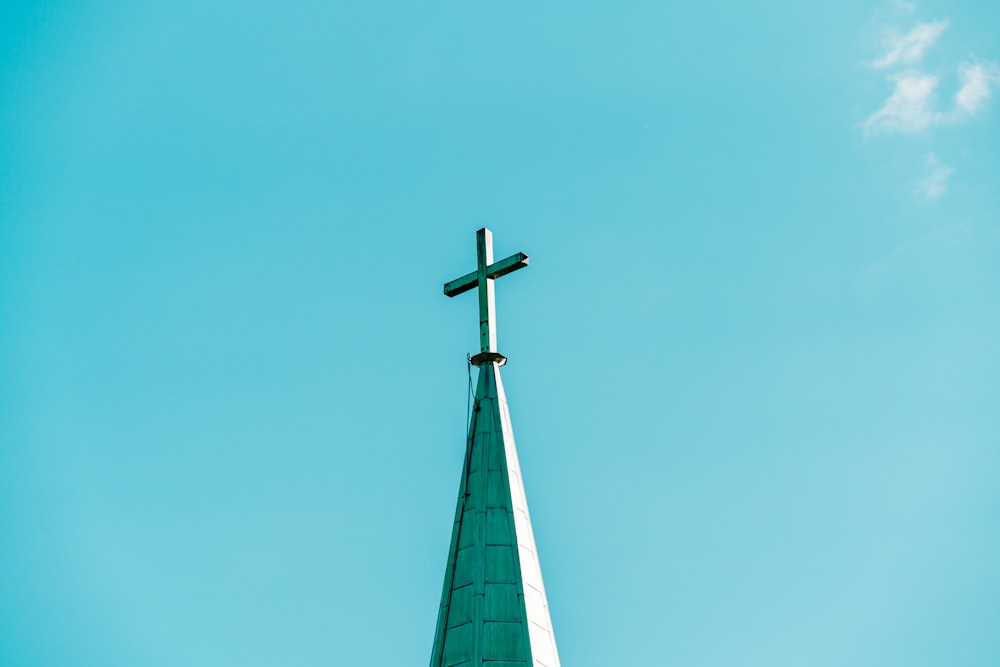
(494, 612)
(486, 272)
(470, 280)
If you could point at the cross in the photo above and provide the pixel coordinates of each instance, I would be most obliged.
(486, 272)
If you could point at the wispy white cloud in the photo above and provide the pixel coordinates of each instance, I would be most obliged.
(909, 48)
(976, 79)
(908, 109)
(934, 185)
(913, 105)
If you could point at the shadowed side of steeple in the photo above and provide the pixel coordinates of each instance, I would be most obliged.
(494, 612)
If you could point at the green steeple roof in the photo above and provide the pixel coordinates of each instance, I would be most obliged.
(493, 608)
(494, 612)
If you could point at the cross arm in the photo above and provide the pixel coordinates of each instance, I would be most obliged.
(504, 266)
(495, 270)
(459, 285)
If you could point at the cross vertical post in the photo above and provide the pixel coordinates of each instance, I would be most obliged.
(487, 298)
(482, 278)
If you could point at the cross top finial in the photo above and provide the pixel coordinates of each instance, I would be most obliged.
(486, 272)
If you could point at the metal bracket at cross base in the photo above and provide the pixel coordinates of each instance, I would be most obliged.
(487, 357)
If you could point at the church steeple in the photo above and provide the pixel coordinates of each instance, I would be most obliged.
(494, 612)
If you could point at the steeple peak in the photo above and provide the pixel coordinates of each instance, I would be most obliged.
(494, 612)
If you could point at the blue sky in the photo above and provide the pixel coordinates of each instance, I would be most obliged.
(753, 364)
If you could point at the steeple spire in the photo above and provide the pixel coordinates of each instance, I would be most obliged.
(494, 612)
